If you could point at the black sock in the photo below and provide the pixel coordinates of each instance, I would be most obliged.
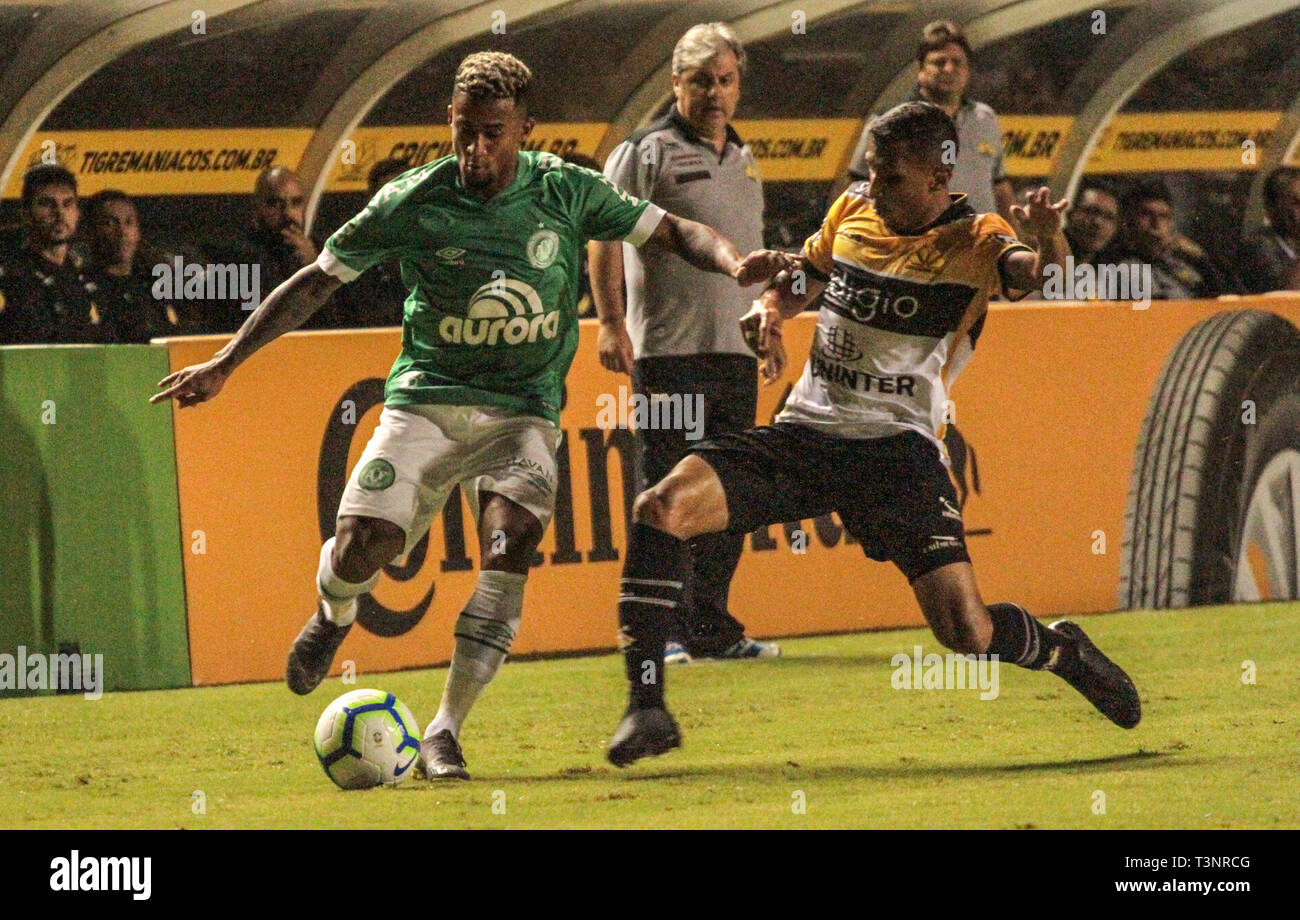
(1020, 639)
(649, 597)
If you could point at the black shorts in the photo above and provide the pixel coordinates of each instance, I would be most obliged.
(893, 494)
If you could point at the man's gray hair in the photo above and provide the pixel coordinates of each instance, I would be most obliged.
(704, 42)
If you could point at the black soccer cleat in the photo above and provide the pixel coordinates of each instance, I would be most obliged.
(1102, 682)
(313, 653)
(643, 733)
(441, 757)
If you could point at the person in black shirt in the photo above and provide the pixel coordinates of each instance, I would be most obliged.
(274, 241)
(376, 298)
(45, 294)
(1271, 262)
(123, 274)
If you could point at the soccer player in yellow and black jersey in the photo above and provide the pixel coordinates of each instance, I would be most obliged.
(907, 271)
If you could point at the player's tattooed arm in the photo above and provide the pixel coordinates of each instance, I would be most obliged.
(1041, 219)
(284, 309)
(791, 291)
(707, 249)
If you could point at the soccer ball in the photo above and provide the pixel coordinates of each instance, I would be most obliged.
(367, 738)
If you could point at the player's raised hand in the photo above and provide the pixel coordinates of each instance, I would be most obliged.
(1039, 216)
(300, 243)
(614, 346)
(762, 264)
(774, 363)
(760, 327)
(192, 385)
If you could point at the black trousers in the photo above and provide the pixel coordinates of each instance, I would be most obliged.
(728, 385)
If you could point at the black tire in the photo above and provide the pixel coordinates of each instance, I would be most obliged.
(1199, 457)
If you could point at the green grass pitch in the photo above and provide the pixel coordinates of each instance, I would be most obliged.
(821, 727)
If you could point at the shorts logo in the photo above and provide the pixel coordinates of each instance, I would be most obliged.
(376, 475)
(941, 542)
(543, 247)
(502, 311)
(534, 472)
(949, 510)
(451, 254)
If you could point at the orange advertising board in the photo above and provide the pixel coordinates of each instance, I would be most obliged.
(1049, 412)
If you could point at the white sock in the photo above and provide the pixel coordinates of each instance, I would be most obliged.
(484, 632)
(339, 597)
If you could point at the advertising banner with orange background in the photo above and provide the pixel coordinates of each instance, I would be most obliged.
(1049, 412)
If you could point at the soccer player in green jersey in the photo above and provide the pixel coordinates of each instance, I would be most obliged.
(490, 241)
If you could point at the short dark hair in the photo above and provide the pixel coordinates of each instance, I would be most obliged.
(487, 75)
(1274, 183)
(43, 176)
(1096, 185)
(938, 35)
(1142, 191)
(921, 127)
(95, 203)
(385, 171)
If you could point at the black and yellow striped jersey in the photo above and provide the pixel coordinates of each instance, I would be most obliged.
(899, 317)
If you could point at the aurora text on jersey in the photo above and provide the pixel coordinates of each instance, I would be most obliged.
(491, 318)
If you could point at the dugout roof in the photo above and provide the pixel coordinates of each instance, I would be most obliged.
(329, 67)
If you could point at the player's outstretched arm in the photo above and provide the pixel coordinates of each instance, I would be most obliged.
(791, 292)
(613, 344)
(707, 249)
(284, 309)
(1040, 219)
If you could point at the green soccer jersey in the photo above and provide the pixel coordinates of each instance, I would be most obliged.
(492, 316)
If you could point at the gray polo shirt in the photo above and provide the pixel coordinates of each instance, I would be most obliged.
(979, 155)
(674, 308)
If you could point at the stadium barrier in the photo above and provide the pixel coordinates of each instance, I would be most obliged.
(1104, 456)
(1047, 422)
(89, 551)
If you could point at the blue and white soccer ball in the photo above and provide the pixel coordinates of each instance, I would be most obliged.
(367, 738)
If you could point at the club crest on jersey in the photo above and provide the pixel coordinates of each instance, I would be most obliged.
(503, 311)
(543, 247)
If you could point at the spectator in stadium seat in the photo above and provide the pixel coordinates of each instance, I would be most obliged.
(45, 295)
(11, 240)
(684, 327)
(1271, 262)
(376, 298)
(274, 240)
(1180, 269)
(1092, 222)
(943, 71)
(122, 274)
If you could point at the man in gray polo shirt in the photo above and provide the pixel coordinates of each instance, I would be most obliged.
(943, 72)
(682, 333)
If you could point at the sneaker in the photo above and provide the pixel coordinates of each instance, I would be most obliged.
(1102, 682)
(313, 653)
(643, 733)
(675, 653)
(441, 757)
(746, 647)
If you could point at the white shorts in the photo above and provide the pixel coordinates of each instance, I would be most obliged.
(419, 453)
